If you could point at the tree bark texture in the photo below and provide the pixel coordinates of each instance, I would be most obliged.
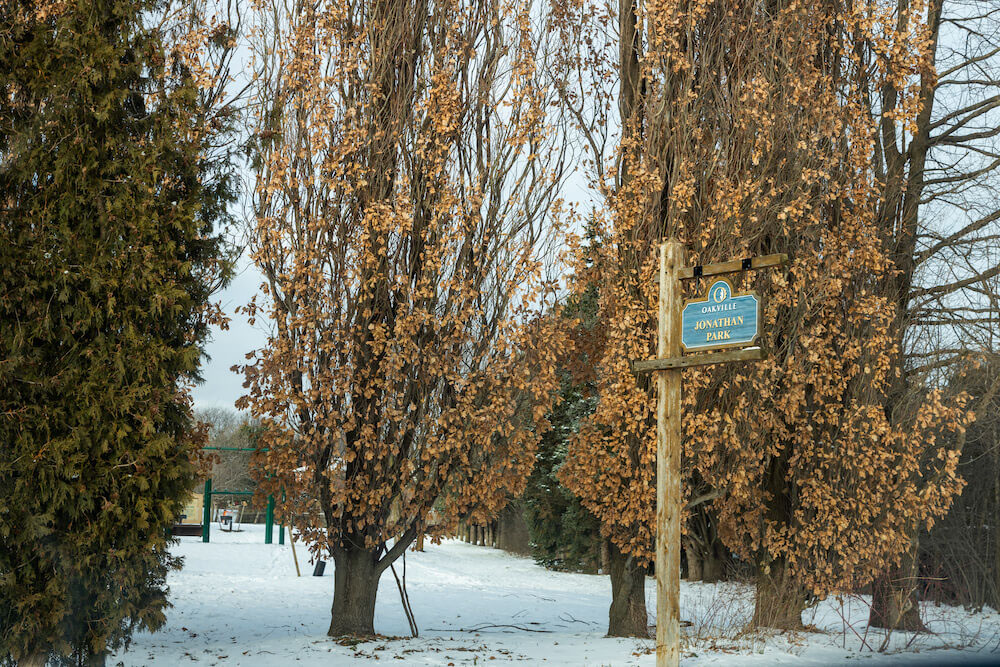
(894, 597)
(712, 565)
(693, 557)
(780, 599)
(33, 660)
(96, 660)
(704, 563)
(355, 585)
(627, 616)
(995, 528)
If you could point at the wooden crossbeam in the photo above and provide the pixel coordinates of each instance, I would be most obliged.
(745, 354)
(733, 266)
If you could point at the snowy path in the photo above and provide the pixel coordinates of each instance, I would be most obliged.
(238, 602)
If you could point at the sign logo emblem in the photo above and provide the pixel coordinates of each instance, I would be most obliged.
(720, 319)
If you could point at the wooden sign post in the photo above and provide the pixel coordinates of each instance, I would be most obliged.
(720, 320)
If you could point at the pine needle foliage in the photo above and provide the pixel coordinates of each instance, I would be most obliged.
(564, 534)
(107, 261)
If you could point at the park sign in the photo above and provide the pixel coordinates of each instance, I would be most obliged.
(721, 319)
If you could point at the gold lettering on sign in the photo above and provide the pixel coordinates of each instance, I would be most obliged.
(718, 323)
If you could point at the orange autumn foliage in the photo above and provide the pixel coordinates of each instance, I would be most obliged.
(754, 135)
(406, 185)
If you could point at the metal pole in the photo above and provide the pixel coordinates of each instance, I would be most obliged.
(206, 514)
(269, 521)
(668, 460)
(281, 526)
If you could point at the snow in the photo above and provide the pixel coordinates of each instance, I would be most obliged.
(238, 602)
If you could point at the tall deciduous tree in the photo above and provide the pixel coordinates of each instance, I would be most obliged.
(108, 198)
(962, 551)
(940, 223)
(749, 132)
(405, 177)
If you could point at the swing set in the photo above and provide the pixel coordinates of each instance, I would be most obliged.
(206, 521)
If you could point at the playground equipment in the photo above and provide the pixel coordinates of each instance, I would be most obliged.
(229, 518)
(206, 522)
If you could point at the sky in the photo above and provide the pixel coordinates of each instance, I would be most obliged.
(222, 386)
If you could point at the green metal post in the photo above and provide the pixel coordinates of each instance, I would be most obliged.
(269, 521)
(206, 515)
(281, 526)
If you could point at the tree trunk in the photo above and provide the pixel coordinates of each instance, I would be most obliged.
(711, 564)
(694, 571)
(780, 599)
(995, 528)
(355, 584)
(710, 570)
(33, 660)
(605, 556)
(420, 542)
(996, 567)
(894, 596)
(627, 616)
(96, 660)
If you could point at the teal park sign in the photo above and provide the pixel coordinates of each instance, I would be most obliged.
(721, 319)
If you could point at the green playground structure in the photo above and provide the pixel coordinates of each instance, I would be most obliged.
(206, 522)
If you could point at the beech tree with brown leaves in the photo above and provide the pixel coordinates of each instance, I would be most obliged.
(940, 223)
(747, 130)
(407, 177)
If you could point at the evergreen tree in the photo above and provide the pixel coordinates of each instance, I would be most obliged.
(107, 261)
(564, 534)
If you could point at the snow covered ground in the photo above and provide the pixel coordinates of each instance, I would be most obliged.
(238, 602)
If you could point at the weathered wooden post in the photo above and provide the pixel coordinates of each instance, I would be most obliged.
(668, 459)
(722, 319)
